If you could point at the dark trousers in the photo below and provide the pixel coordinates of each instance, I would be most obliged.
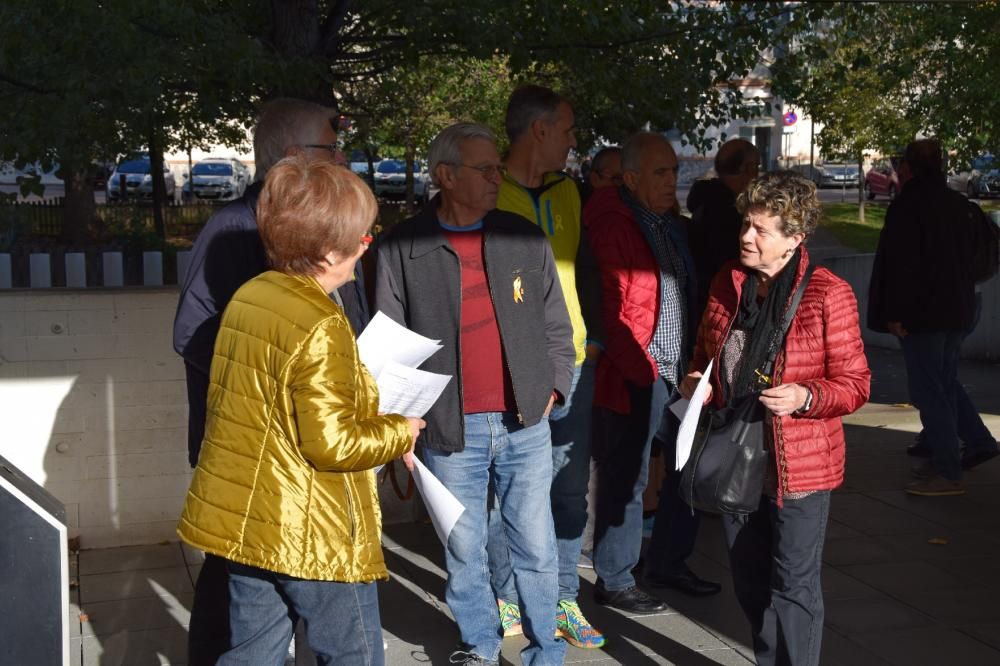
(675, 528)
(776, 555)
(621, 450)
(208, 633)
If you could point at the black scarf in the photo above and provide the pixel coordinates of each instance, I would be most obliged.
(761, 321)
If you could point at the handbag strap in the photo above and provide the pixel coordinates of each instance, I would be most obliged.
(786, 321)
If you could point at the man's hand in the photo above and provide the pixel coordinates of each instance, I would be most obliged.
(593, 353)
(896, 328)
(785, 399)
(548, 408)
(408, 459)
(690, 383)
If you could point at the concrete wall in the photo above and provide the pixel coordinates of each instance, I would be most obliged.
(93, 401)
(983, 344)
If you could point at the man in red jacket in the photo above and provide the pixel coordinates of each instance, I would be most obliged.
(649, 315)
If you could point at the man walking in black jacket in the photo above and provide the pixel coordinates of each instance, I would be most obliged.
(923, 292)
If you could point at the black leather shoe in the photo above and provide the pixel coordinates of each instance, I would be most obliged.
(630, 600)
(918, 450)
(686, 582)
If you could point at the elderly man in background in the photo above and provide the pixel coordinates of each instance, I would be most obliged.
(227, 253)
(716, 223)
(605, 171)
(649, 313)
(484, 283)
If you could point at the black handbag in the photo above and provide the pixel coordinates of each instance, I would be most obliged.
(725, 472)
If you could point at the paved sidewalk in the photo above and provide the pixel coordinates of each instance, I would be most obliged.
(893, 596)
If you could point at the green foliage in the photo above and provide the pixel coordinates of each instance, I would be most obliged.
(879, 74)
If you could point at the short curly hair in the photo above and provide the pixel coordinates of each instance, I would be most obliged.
(789, 195)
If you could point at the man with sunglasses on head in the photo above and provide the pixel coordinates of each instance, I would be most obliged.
(484, 283)
(227, 253)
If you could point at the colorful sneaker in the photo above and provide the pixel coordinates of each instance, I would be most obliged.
(574, 628)
(510, 618)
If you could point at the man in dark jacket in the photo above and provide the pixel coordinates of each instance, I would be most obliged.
(484, 283)
(716, 224)
(923, 292)
(228, 253)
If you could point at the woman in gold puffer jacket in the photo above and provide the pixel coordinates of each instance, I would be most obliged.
(284, 488)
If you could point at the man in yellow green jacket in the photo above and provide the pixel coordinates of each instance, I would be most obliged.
(541, 127)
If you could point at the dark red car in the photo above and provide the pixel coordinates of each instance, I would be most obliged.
(882, 179)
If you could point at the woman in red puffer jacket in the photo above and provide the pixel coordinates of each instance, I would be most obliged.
(820, 374)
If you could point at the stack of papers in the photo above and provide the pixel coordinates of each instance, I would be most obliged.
(392, 353)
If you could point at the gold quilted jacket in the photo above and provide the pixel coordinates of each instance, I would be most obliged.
(284, 481)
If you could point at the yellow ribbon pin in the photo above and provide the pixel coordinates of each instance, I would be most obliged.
(518, 290)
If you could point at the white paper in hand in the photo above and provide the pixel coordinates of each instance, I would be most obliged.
(689, 423)
(443, 508)
(408, 391)
(384, 341)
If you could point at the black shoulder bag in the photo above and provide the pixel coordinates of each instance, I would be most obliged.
(725, 472)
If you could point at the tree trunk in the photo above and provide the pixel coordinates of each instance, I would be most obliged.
(861, 188)
(159, 185)
(79, 209)
(410, 151)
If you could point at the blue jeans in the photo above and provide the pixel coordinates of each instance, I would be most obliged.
(945, 411)
(570, 426)
(516, 460)
(622, 456)
(341, 619)
(776, 556)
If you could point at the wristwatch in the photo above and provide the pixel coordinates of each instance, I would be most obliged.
(807, 404)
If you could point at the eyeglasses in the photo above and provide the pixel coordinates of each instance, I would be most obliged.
(338, 156)
(489, 172)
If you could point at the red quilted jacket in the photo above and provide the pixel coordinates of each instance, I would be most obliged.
(823, 351)
(630, 297)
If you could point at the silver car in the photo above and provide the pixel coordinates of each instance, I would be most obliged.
(137, 179)
(218, 178)
(981, 181)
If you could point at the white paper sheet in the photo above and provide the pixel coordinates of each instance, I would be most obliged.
(384, 341)
(443, 507)
(408, 391)
(689, 422)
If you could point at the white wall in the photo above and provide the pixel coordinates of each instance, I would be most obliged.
(115, 448)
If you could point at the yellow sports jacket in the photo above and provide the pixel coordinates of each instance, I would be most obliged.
(557, 212)
(284, 481)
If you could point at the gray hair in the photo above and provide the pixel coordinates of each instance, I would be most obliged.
(636, 144)
(526, 105)
(284, 123)
(446, 146)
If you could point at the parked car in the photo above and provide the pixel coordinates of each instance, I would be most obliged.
(833, 174)
(359, 165)
(220, 178)
(882, 178)
(138, 180)
(982, 180)
(390, 180)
